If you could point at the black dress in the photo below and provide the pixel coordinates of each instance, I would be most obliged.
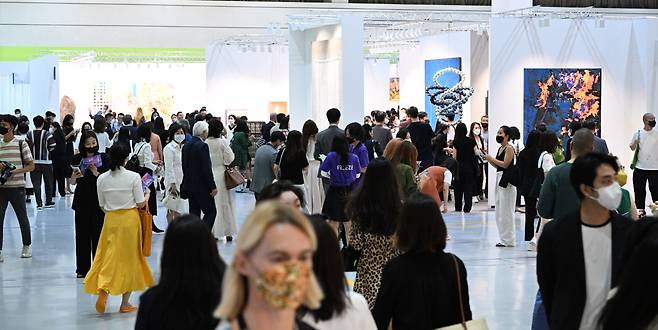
(88, 214)
(467, 174)
(419, 291)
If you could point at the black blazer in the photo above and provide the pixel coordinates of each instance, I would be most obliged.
(197, 168)
(86, 195)
(561, 267)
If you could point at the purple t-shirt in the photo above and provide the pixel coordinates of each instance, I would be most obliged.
(339, 175)
(362, 153)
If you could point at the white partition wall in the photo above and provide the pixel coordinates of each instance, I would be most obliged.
(245, 80)
(625, 50)
(32, 86)
(326, 70)
(473, 51)
(376, 85)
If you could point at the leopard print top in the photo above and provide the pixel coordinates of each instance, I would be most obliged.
(376, 251)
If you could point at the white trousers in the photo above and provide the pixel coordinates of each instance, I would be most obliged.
(505, 206)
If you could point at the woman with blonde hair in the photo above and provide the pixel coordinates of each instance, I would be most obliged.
(403, 155)
(271, 274)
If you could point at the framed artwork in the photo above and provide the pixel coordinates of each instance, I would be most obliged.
(556, 97)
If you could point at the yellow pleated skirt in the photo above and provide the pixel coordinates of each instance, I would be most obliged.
(119, 265)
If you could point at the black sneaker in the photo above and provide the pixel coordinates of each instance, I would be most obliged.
(50, 205)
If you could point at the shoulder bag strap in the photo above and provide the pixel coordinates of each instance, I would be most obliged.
(459, 289)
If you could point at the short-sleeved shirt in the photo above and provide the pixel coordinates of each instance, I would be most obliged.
(362, 153)
(292, 166)
(119, 190)
(17, 154)
(341, 175)
(647, 156)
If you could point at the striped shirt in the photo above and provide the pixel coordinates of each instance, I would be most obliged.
(42, 143)
(11, 152)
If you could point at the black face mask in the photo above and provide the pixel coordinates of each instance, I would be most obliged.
(652, 123)
(3, 130)
(92, 150)
(485, 125)
(499, 139)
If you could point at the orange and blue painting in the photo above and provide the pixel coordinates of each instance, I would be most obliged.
(556, 97)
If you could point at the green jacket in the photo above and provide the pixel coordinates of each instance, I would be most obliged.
(557, 197)
(406, 180)
(240, 146)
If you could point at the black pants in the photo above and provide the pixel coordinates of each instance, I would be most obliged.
(15, 197)
(640, 178)
(88, 227)
(203, 202)
(530, 215)
(59, 183)
(464, 191)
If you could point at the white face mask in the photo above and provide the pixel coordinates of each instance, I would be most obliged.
(179, 138)
(609, 197)
(476, 131)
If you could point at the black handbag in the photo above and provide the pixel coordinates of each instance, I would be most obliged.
(350, 258)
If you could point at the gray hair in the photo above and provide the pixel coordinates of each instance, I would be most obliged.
(200, 127)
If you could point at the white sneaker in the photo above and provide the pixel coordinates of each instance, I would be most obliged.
(27, 252)
(2, 259)
(532, 245)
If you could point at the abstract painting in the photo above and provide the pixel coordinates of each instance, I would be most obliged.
(432, 67)
(556, 97)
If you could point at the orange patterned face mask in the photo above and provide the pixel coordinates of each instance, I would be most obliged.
(284, 286)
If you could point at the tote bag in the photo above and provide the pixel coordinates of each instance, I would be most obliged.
(636, 154)
(146, 219)
(479, 324)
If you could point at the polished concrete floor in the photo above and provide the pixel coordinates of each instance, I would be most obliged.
(43, 293)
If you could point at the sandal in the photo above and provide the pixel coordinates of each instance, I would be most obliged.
(101, 302)
(128, 309)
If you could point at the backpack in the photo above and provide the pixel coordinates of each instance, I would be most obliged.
(133, 163)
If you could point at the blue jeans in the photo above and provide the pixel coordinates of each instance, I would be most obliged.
(539, 321)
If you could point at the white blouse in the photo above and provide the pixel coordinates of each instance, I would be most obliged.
(145, 154)
(104, 141)
(119, 190)
(357, 315)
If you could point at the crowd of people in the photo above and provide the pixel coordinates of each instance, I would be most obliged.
(369, 196)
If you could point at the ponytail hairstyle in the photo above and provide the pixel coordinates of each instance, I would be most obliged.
(118, 154)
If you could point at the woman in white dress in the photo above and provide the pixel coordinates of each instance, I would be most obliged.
(221, 155)
(173, 171)
(312, 184)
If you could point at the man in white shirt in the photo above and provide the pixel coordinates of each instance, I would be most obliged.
(646, 168)
(580, 255)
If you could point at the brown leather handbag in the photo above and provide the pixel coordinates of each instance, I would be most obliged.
(232, 177)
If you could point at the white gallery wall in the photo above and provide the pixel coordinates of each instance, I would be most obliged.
(174, 87)
(307, 73)
(376, 79)
(625, 50)
(473, 51)
(32, 86)
(245, 80)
